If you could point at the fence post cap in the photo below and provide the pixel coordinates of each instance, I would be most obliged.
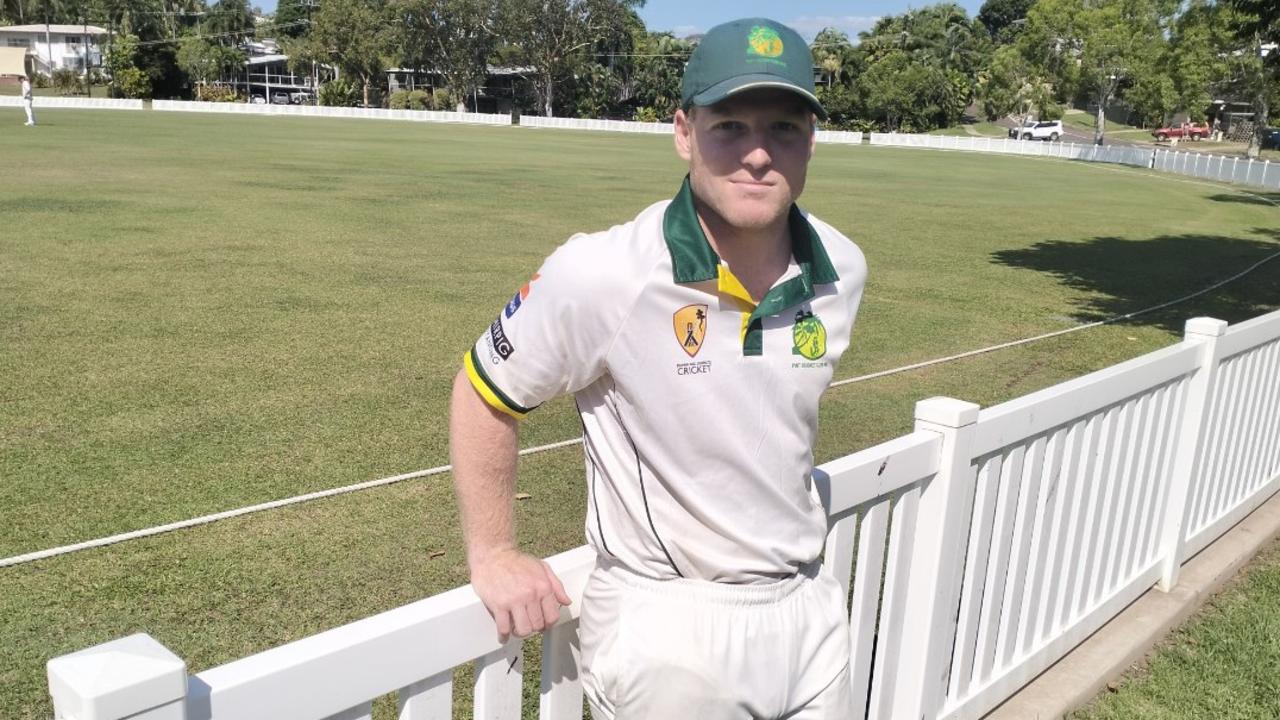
(1206, 326)
(947, 412)
(116, 679)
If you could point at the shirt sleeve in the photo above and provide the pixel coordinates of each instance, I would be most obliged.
(551, 338)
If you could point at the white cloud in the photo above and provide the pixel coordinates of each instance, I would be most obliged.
(810, 25)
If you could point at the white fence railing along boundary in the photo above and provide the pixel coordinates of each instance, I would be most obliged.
(1242, 171)
(978, 550)
(330, 112)
(46, 101)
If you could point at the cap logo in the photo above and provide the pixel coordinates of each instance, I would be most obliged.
(764, 42)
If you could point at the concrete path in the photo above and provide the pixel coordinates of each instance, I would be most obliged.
(1082, 674)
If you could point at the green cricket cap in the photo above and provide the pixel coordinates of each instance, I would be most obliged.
(747, 54)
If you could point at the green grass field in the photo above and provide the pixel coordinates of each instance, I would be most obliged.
(199, 313)
(1223, 663)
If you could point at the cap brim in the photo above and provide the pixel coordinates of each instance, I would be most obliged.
(743, 83)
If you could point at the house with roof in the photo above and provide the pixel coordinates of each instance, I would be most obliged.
(52, 47)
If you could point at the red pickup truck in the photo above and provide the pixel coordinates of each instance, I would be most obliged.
(1188, 130)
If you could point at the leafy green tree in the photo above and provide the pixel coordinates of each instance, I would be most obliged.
(1256, 24)
(129, 80)
(917, 69)
(205, 62)
(1004, 19)
(837, 57)
(1013, 86)
(352, 35)
(658, 71)
(455, 38)
(292, 18)
(551, 36)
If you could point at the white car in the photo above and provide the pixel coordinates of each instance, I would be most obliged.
(1049, 130)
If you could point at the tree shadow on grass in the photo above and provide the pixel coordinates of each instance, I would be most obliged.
(1120, 275)
(1249, 197)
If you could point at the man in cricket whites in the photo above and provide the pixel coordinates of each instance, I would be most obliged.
(697, 340)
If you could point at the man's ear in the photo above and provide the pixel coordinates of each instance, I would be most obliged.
(684, 135)
(813, 134)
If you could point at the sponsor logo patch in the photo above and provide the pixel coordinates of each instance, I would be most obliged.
(519, 297)
(808, 336)
(501, 344)
(763, 42)
(690, 325)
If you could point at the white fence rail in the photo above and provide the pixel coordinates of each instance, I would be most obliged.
(330, 112)
(537, 121)
(1138, 157)
(977, 550)
(72, 103)
(1242, 171)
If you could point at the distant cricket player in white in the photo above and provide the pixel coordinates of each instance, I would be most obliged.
(26, 101)
(696, 340)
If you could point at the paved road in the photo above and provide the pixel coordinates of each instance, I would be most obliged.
(1076, 135)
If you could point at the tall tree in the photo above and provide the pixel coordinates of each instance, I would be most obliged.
(293, 18)
(351, 35)
(1257, 24)
(455, 38)
(1004, 19)
(551, 36)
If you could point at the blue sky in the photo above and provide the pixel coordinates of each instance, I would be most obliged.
(684, 17)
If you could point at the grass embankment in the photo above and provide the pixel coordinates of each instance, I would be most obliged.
(201, 312)
(1224, 663)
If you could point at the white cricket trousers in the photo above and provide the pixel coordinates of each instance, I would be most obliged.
(31, 117)
(675, 649)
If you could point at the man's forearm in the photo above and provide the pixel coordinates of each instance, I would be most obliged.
(483, 450)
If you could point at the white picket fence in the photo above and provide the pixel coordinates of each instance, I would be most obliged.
(979, 549)
(72, 103)
(1243, 171)
(560, 123)
(330, 112)
(1138, 157)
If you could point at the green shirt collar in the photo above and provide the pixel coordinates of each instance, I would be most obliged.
(693, 260)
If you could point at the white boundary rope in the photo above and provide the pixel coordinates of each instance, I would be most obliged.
(206, 519)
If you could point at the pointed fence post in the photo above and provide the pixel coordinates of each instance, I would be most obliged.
(134, 677)
(937, 562)
(1189, 456)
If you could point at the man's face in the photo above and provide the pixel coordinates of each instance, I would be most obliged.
(748, 155)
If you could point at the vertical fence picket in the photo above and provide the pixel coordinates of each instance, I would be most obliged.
(430, 699)
(1046, 535)
(1244, 401)
(872, 534)
(1024, 544)
(838, 554)
(1137, 444)
(1168, 453)
(1067, 486)
(560, 697)
(971, 596)
(893, 612)
(1099, 510)
(499, 678)
(1144, 476)
(985, 652)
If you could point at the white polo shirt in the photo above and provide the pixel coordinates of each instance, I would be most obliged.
(699, 406)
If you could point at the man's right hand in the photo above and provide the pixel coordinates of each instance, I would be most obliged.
(520, 591)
